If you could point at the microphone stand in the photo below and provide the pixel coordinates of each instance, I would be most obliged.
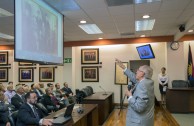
(103, 90)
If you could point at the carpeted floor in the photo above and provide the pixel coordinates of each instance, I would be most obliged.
(184, 119)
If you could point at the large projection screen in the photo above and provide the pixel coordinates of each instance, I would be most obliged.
(38, 32)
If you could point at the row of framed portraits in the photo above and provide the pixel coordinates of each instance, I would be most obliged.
(46, 74)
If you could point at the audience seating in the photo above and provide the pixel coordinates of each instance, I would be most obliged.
(13, 118)
(42, 108)
(84, 92)
(180, 84)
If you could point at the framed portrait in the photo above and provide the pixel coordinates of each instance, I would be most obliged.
(4, 58)
(3, 74)
(46, 74)
(26, 75)
(90, 74)
(90, 56)
(120, 77)
(25, 64)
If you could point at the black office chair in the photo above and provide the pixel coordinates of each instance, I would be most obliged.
(42, 108)
(180, 84)
(80, 95)
(13, 118)
(90, 89)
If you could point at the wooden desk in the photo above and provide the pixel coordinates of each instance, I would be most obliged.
(180, 100)
(88, 118)
(105, 104)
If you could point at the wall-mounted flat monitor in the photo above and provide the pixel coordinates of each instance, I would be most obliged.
(145, 52)
(38, 32)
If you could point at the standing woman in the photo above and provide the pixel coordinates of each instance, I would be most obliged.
(163, 84)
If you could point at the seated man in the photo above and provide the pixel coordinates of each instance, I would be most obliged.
(4, 112)
(18, 99)
(58, 93)
(9, 93)
(38, 91)
(47, 101)
(67, 90)
(69, 93)
(28, 114)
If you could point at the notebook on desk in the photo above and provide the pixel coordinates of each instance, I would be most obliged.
(67, 116)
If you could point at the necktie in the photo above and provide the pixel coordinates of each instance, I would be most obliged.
(35, 112)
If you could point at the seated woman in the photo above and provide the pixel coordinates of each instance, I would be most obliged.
(4, 111)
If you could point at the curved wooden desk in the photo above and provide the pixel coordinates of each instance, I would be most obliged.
(105, 104)
(180, 100)
(88, 118)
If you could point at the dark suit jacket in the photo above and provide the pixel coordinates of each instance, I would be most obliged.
(67, 90)
(3, 113)
(26, 116)
(17, 101)
(39, 97)
(48, 103)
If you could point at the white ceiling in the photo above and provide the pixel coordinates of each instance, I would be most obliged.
(114, 20)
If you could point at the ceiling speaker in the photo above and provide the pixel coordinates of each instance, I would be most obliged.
(182, 28)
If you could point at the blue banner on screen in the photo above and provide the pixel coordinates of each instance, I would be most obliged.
(38, 32)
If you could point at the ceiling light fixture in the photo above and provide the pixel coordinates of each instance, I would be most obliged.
(190, 30)
(5, 36)
(100, 38)
(4, 13)
(145, 1)
(142, 35)
(146, 16)
(144, 25)
(90, 28)
(82, 21)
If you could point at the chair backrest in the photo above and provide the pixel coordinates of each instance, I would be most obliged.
(42, 108)
(86, 92)
(13, 118)
(180, 84)
(90, 89)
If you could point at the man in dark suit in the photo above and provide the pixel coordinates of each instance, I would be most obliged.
(18, 99)
(3, 111)
(38, 91)
(28, 114)
(69, 93)
(67, 90)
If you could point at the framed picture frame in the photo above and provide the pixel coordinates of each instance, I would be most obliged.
(46, 74)
(90, 74)
(26, 74)
(120, 77)
(4, 74)
(90, 56)
(25, 64)
(4, 58)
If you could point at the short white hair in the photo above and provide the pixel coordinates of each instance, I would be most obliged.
(148, 71)
(18, 86)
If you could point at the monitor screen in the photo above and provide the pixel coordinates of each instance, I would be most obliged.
(145, 52)
(38, 32)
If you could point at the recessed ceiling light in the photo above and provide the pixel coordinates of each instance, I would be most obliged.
(190, 30)
(90, 28)
(142, 35)
(82, 21)
(146, 16)
(144, 25)
(145, 1)
(100, 38)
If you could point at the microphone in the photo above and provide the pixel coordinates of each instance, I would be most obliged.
(103, 90)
